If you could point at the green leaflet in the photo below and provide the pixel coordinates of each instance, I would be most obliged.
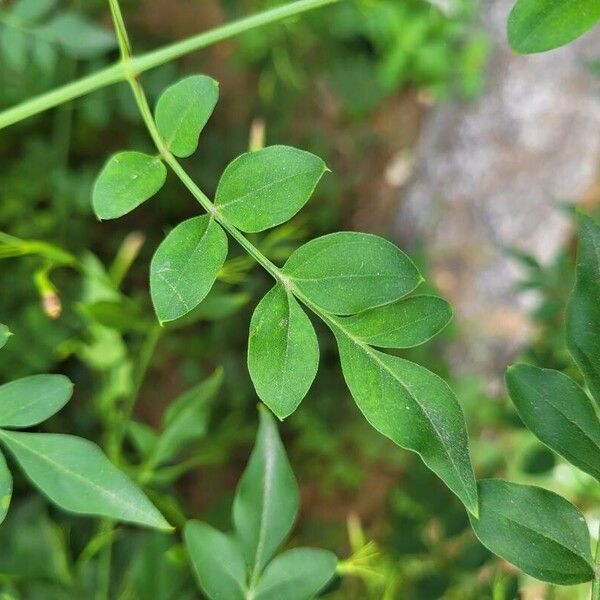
(347, 272)
(266, 499)
(4, 335)
(297, 574)
(583, 310)
(183, 110)
(217, 561)
(403, 324)
(540, 25)
(75, 475)
(185, 266)
(262, 189)
(536, 530)
(128, 179)
(283, 352)
(559, 412)
(6, 486)
(413, 407)
(28, 401)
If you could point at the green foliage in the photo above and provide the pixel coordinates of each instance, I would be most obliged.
(264, 510)
(540, 25)
(6, 486)
(537, 530)
(4, 334)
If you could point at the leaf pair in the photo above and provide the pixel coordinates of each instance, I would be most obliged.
(72, 472)
(239, 565)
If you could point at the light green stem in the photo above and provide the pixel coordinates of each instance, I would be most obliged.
(596, 581)
(124, 70)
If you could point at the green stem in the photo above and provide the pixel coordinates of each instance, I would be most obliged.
(596, 582)
(126, 69)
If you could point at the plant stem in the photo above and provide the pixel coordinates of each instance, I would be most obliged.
(596, 581)
(136, 65)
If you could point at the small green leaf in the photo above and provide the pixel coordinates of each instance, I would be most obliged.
(75, 475)
(185, 266)
(30, 11)
(536, 530)
(403, 324)
(559, 412)
(583, 310)
(5, 333)
(143, 437)
(347, 272)
(186, 419)
(413, 407)
(6, 486)
(122, 315)
(183, 110)
(128, 179)
(283, 352)
(28, 401)
(540, 25)
(217, 561)
(297, 574)
(262, 189)
(266, 500)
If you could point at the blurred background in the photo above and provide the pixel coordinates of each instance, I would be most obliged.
(468, 157)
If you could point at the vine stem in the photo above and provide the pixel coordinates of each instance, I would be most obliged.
(123, 70)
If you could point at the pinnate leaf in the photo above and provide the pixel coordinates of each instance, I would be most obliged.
(28, 401)
(183, 110)
(283, 352)
(185, 266)
(403, 324)
(536, 530)
(297, 574)
(217, 562)
(6, 486)
(75, 475)
(583, 310)
(347, 272)
(128, 179)
(413, 407)
(540, 25)
(262, 189)
(559, 412)
(266, 499)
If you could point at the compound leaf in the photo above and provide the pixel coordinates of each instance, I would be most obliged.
(185, 266)
(413, 407)
(348, 272)
(6, 486)
(297, 574)
(217, 561)
(583, 310)
(283, 352)
(75, 475)
(183, 110)
(403, 324)
(534, 529)
(262, 189)
(128, 179)
(558, 412)
(540, 25)
(266, 499)
(28, 401)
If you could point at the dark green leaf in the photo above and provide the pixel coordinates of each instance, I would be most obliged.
(415, 408)
(403, 324)
(75, 475)
(121, 315)
(266, 500)
(297, 574)
(262, 189)
(540, 25)
(183, 110)
(128, 179)
(583, 310)
(5, 487)
(283, 352)
(559, 412)
(31, 400)
(347, 272)
(185, 266)
(217, 561)
(536, 530)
